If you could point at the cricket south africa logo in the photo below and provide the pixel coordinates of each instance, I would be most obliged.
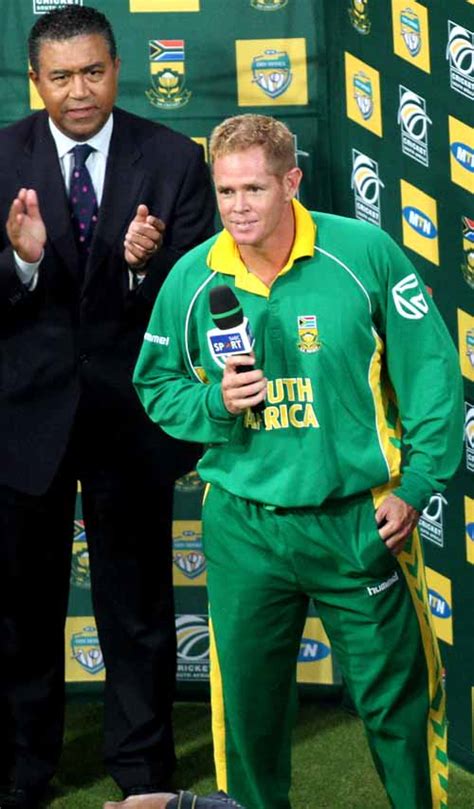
(431, 523)
(167, 71)
(460, 53)
(271, 71)
(413, 121)
(192, 634)
(44, 6)
(366, 184)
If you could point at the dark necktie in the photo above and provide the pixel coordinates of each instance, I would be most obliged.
(83, 202)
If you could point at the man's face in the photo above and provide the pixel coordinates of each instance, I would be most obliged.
(77, 80)
(253, 202)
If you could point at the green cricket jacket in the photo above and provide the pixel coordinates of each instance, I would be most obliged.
(364, 384)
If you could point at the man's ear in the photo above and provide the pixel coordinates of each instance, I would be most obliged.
(291, 182)
(32, 74)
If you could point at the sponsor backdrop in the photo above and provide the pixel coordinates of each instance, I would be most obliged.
(379, 96)
(401, 91)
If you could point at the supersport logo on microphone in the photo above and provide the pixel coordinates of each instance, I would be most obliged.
(225, 342)
(233, 334)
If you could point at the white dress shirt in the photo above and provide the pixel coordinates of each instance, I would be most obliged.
(96, 164)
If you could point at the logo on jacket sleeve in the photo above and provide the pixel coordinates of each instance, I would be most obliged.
(460, 53)
(413, 121)
(363, 102)
(271, 72)
(167, 71)
(467, 267)
(408, 298)
(411, 33)
(308, 336)
(359, 17)
(366, 184)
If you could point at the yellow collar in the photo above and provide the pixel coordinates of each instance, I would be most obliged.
(224, 256)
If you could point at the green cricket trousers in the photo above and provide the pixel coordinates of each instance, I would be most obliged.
(263, 566)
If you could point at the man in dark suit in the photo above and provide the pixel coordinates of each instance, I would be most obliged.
(86, 238)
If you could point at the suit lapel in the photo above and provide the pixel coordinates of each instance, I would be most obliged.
(124, 177)
(40, 170)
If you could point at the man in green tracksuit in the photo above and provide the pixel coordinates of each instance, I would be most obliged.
(317, 496)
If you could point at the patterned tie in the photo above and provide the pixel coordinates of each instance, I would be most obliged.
(83, 202)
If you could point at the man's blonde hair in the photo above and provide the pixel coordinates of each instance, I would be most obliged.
(243, 132)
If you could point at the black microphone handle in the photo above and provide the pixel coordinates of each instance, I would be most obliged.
(240, 369)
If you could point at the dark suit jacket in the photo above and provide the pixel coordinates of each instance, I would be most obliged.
(70, 341)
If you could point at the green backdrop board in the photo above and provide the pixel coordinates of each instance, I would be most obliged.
(401, 79)
(379, 95)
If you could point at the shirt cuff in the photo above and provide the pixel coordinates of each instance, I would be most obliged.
(135, 278)
(27, 271)
(415, 489)
(216, 407)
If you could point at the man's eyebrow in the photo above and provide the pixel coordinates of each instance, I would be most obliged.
(85, 69)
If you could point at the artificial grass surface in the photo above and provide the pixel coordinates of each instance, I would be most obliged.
(332, 768)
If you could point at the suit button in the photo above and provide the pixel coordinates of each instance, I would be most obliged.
(84, 358)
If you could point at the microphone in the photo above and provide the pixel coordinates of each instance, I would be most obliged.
(233, 333)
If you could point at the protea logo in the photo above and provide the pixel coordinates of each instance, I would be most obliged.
(408, 298)
(460, 52)
(366, 184)
(413, 121)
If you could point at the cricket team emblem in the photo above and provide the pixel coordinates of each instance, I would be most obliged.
(85, 649)
(167, 71)
(308, 335)
(271, 71)
(359, 17)
(410, 28)
(467, 267)
(363, 94)
(268, 5)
